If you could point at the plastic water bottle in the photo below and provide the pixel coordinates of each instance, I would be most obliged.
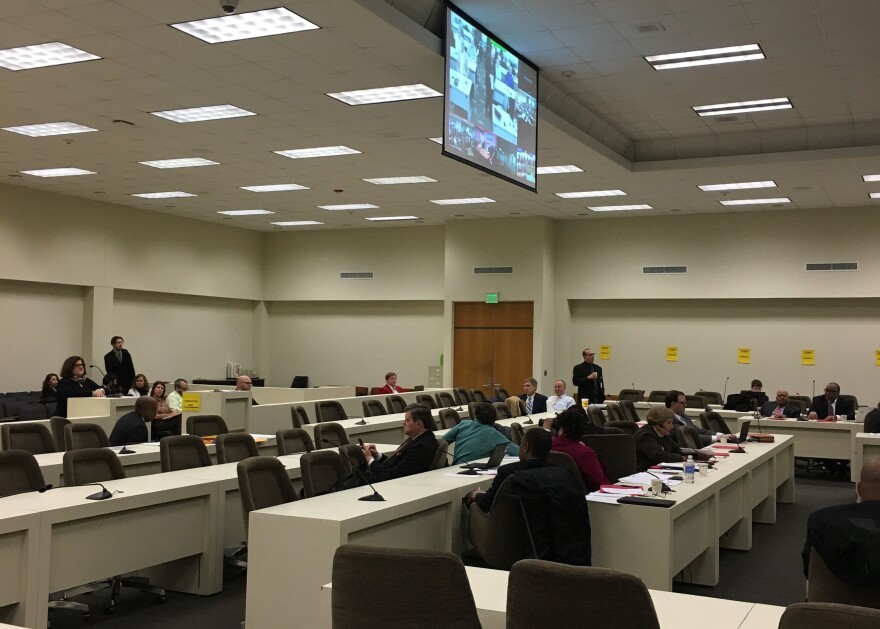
(689, 468)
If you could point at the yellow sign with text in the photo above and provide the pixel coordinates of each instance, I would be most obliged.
(605, 352)
(744, 356)
(877, 357)
(808, 357)
(192, 402)
(672, 353)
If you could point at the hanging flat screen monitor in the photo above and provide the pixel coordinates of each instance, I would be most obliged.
(491, 106)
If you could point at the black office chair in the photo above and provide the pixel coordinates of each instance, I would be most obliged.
(462, 396)
(262, 483)
(445, 399)
(321, 470)
(688, 437)
(30, 436)
(426, 400)
(501, 393)
(300, 382)
(449, 418)
(330, 435)
(206, 425)
(82, 435)
(353, 456)
(395, 403)
(329, 411)
(293, 441)
(32, 411)
(564, 460)
(298, 416)
(696, 401)
(616, 452)
(502, 410)
(373, 408)
(714, 422)
(629, 410)
(478, 396)
(56, 425)
(596, 415)
(183, 452)
(712, 397)
(657, 396)
(233, 447)
(615, 412)
(633, 395)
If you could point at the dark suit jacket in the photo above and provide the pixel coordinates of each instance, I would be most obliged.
(843, 406)
(124, 371)
(847, 537)
(130, 428)
(593, 390)
(872, 420)
(705, 434)
(484, 500)
(792, 411)
(413, 457)
(539, 404)
(652, 449)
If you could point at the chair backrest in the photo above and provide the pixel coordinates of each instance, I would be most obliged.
(262, 483)
(32, 411)
(205, 425)
(298, 416)
(359, 391)
(427, 400)
(843, 396)
(516, 432)
(330, 435)
(452, 603)
(293, 441)
(478, 396)
(395, 403)
(183, 452)
(615, 412)
(57, 424)
(449, 418)
(83, 435)
(329, 411)
(799, 403)
(501, 410)
(50, 408)
(824, 587)
(609, 598)
(696, 401)
(501, 393)
(29, 436)
(629, 410)
(617, 453)
(462, 396)
(91, 465)
(711, 420)
(373, 408)
(596, 415)
(321, 469)
(12, 407)
(444, 399)
(688, 437)
(803, 398)
(617, 427)
(499, 536)
(633, 395)
(19, 472)
(353, 456)
(235, 446)
(712, 397)
(657, 396)
(441, 457)
(829, 616)
(564, 460)
(300, 382)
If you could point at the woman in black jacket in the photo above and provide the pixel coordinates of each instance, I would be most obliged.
(74, 383)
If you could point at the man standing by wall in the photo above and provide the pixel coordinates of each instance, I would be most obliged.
(118, 362)
(587, 377)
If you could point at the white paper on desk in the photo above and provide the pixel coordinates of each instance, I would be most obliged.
(644, 479)
(479, 473)
(260, 436)
(673, 466)
(598, 496)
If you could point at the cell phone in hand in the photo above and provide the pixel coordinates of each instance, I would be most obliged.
(361, 443)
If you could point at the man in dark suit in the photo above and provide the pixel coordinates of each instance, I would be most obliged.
(414, 456)
(535, 402)
(587, 377)
(847, 537)
(118, 362)
(132, 427)
(675, 402)
(781, 408)
(831, 405)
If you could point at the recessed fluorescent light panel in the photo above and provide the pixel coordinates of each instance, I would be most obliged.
(49, 128)
(591, 193)
(185, 162)
(57, 172)
(394, 218)
(744, 107)
(867, 178)
(387, 181)
(555, 170)
(618, 208)
(756, 201)
(277, 187)
(466, 201)
(42, 55)
(245, 212)
(730, 54)
(198, 114)
(747, 185)
(385, 94)
(163, 195)
(297, 223)
(246, 25)
(320, 151)
(350, 206)
(875, 195)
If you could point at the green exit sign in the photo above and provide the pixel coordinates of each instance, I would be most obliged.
(491, 298)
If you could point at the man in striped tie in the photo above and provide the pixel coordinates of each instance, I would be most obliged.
(781, 408)
(535, 402)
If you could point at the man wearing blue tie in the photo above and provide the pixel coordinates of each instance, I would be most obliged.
(535, 402)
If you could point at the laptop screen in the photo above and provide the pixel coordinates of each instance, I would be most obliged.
(744, 431)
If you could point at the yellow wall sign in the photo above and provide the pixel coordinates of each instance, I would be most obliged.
(877, 357)
(744, 355)
(808, 357)
(672, 353)
(192, 402)
(605, 352)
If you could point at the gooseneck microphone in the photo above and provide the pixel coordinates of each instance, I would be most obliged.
(376, 496)
(362, 422)
(724, 395)
(814, 387)
(99, 369)
(100, 495)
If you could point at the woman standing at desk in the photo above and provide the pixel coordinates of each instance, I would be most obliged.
(73, 383)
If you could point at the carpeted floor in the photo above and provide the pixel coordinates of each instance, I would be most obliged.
(770, 573)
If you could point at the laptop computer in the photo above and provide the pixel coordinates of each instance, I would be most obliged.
(494, 460)
(743, 435)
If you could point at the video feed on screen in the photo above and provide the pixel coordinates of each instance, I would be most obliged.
(491, 112)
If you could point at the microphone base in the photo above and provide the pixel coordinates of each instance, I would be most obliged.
(468, 472)
(125, 450)
(737, 451)
(528, 422)
(376, 497)
(363, 422)
(101, 495)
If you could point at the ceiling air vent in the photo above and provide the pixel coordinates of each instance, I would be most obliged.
(663, 270)
(356, 276)
(832, 266)
(490, 270)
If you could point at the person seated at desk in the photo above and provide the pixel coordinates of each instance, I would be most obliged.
(414, 456)
(872, 420)
(50, 385)
(654, 443)
(559, 401)
(391, 385)
(244, 383)
(535, 402)
(73, 383)
(175, 399)
(781, 407)
(132, 427)
(478, 438)
(166, 422)
(845, 536)
(675, 402)
(572, 426)
(831, 405)
(140, 386)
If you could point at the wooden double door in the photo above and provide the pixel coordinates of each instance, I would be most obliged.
(492, 345)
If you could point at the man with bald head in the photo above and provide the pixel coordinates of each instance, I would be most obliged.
(781, 407)
(244, 383)
(847, 537)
